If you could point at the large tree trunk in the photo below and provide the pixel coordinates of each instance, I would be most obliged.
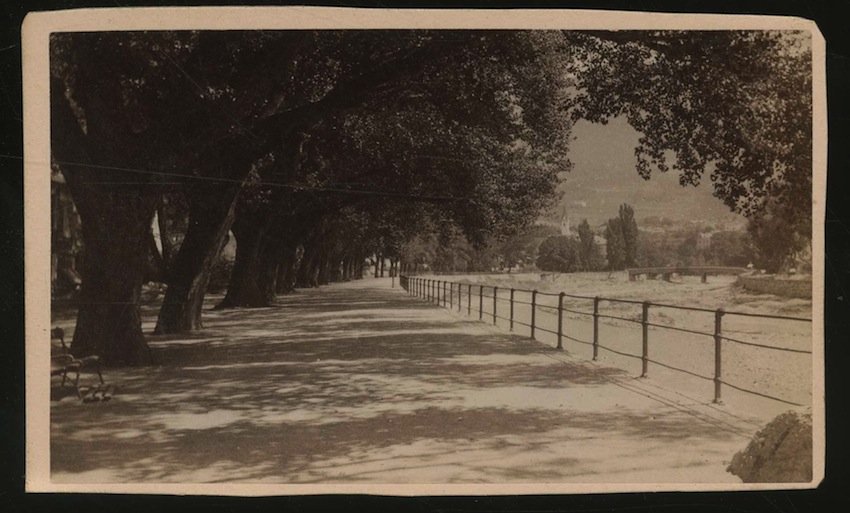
(116, 230)
(288, 271)
(359, 267)
(211, 216)
(324, 264)
(312, 261)
(352, 268)
(310, 276)
(244, 289)
(271, 256)
(115, 221)
(260, 248)
(335, 269)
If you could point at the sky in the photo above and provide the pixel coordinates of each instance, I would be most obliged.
(604, 176)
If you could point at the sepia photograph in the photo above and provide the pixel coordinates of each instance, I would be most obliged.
(311, 250)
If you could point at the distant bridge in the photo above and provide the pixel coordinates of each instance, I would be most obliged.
(667, 272)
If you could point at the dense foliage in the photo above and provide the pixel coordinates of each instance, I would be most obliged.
(559, 254)
(683, 246)
(733, 106)
(319, 149)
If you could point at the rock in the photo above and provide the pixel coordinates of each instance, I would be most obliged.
(779, 453)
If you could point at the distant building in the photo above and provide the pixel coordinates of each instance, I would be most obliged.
(704, 241)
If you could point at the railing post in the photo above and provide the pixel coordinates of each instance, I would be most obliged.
(644, 319)
(718, 342)
(512, 309)
(444, 293)
(451, 295)
(459, 296)
(560, 320)
(480, 302)
(595, 328)
(469, 300)
(533, 310)
(495, 298)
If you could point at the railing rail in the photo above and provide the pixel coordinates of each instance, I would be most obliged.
(430, 290)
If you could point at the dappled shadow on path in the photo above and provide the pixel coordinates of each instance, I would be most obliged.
(352, 384)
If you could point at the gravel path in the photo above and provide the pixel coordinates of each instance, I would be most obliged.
(360, 383)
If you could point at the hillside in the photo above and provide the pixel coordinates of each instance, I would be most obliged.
(604, 177)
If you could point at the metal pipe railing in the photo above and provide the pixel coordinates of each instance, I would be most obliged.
(430, 290)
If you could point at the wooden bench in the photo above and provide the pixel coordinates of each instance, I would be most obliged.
(64, 363)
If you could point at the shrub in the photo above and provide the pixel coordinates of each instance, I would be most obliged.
(559, 254)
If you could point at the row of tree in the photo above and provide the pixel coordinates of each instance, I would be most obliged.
(316, 149)
(673, 247)
(691, 246)
(567, 253)
(451, 252)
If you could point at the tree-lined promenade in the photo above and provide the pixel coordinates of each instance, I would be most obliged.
(320, 149)
(359, 383)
